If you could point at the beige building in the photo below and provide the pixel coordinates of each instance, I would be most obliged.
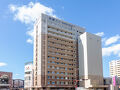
(90, 61)
(56, 55)
(114, 67)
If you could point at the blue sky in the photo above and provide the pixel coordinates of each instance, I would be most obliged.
(16, 24)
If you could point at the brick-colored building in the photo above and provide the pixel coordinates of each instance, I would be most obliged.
(63, 54)
(55, 53)
(5, 80)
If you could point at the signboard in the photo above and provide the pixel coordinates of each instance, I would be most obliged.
(28, 68)
(114, 80)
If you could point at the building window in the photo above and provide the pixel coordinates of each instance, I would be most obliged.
(61, 58)
(53, 62)
(53, 82)
(57, 77)
(57, 82)
(61, 63)
(69, 68)
(53, 77)
(62, 83)
(53, 67)
(53, 72)
(48, 72)
(57, 72)
(62, 73)
(57, 67)
(66, 83)
(62, 78)
(48, 66)
(66, 78)
(48, 77)
(48, 82)
(53, 57)
(48, 61)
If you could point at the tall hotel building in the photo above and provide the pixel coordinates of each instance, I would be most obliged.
(57, 55)
(114, 67)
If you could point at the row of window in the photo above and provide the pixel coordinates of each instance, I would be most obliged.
(53, 67)
(57, 58)
(60, 83)
(60, 63)
(64, 73)
(57, 77)
(64, 25)
(28, 72)
(27, 78)
(64, 50)
(61, 31)
(64, 41)
(56, 53)
(60, 68)
(61, 25)
(60, 45)
(58, 34)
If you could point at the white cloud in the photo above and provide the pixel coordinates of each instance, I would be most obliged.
(29, 13)
(112, 40)
(104, 39)
(31, 33)
(114, 49)
(2, 64)
(30, 40)
(17, 74)
(100, 34)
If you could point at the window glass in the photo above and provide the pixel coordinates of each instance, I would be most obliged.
(53, 82)
(48, 82)
(48, 77)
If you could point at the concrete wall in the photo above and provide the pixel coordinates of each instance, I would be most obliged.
(28, 81)
(90, 59)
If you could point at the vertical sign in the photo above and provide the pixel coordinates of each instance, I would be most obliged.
(114, 80)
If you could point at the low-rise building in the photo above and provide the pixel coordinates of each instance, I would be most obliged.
(5, 80)
(113, 83)
(28, 75)
(18, 84)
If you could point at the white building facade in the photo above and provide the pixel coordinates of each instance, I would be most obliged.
(28, 77)
(114, 67)
(90, 60)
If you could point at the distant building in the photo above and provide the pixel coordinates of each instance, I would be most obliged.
(112, 83)
(5, 80)
(18, 84)
(114, 67)
(107, 81)
(28, 75)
